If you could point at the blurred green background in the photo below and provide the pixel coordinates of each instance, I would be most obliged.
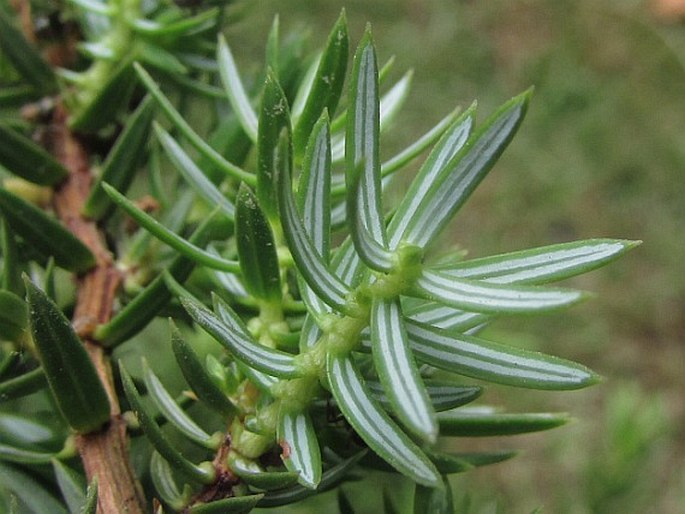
(601, 154)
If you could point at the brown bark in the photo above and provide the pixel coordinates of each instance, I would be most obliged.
(224, 483)
(105, 453)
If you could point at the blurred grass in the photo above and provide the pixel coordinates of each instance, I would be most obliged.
(602, 153)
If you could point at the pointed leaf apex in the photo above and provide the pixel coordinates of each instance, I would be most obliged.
(366, 42)
(243, 190)
(271, 76)
(524, 98)
(140, 69)
(472, 108)
(593, 379)
(157, 127)
(341, 24)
